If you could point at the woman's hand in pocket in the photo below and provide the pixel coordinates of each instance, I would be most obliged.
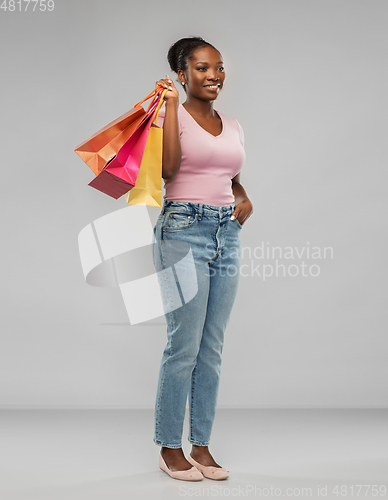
(243, 211)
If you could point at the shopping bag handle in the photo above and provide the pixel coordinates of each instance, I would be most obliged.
(160, 103)
(156, 104)
(155, 100)
(151, 94)
(159, 91)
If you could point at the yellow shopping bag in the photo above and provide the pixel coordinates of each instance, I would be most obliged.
(148, 186)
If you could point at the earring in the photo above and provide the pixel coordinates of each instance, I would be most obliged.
(183, 83)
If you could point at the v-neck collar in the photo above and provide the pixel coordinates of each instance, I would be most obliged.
(215, 136)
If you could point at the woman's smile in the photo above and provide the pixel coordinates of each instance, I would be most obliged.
(213, 87)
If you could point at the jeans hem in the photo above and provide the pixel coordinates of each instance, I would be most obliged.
(197, 443)
(165, 445)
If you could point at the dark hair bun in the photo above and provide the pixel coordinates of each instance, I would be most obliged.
(180, 52)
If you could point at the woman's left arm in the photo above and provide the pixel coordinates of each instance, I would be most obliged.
(244, 207)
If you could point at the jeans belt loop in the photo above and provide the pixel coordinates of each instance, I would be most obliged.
(200, 211)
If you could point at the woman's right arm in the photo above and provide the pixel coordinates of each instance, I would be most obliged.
(171, 160)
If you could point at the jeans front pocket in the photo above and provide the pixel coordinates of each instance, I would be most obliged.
(176, 220)
(238, 223)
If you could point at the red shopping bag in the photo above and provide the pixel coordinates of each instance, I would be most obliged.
(120, 174)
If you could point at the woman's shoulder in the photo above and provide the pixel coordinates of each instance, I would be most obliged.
(233, 122)
(162, 114)
(162, 111)
(228, 118)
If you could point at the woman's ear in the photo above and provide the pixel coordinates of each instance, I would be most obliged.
(181, 77)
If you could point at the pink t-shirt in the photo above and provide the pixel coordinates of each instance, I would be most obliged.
(208, 162)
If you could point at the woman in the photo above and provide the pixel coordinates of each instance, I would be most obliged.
(204, 210)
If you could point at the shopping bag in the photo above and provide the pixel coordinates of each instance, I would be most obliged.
(120, 174)
(102, 146)
(148, 186)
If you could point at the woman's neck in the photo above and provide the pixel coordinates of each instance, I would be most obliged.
(198, 107)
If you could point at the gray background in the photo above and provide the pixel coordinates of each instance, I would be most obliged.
(307, 81)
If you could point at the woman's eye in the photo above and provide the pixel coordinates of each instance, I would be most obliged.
(219, 69)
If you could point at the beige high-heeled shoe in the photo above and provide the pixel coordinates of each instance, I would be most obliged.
(192, 474)
(209, 471)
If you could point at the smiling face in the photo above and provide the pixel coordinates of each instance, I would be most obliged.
(205, 74)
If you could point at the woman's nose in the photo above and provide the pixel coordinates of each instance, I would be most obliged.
(212, 74)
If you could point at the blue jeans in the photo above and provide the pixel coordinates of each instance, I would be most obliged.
(197, 254)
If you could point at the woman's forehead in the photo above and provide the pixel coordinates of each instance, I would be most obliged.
(206, 54)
